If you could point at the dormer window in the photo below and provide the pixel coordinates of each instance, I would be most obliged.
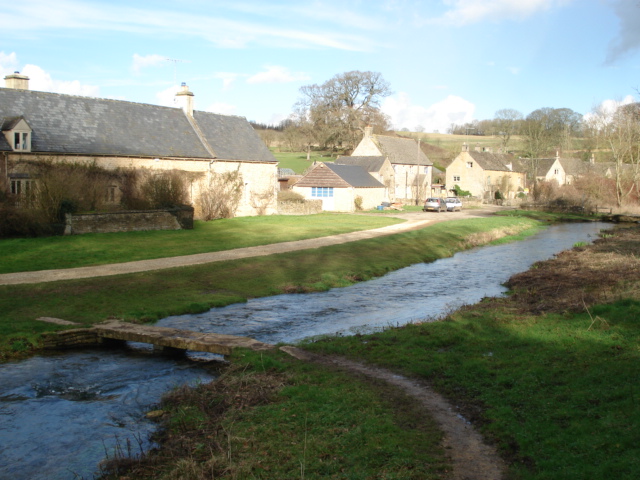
(18, 134)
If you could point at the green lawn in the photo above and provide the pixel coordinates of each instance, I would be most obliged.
(297, 161)
(149, 296)
(560, 399)
(32, 254)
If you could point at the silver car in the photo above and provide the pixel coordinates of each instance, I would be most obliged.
(435, 205)
(453, 204)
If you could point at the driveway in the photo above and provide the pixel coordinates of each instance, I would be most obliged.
(414, 221)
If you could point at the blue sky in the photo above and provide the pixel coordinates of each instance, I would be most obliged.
(446, 60)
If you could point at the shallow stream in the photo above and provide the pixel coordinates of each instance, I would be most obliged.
(60, 415)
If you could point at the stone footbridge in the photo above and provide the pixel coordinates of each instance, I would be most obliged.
(169, 340)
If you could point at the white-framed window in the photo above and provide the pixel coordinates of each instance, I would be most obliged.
(21, 141)
(456, 178)
(469, 164)
(488, 180)
(321, 192)
(556, 171)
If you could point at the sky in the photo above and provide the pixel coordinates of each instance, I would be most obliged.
(447, 61)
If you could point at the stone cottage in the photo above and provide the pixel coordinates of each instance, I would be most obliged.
(482, 173)
(412, 168)
(118, 134)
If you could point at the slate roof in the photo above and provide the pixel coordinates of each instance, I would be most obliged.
(403, 151)
(575, 166)
(67, 124)
(338, 176)
(355, 175)
(540, 165)
(494, 161)
(370, 164)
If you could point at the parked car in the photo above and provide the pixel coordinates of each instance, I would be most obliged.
(435, 205)
(453, 204)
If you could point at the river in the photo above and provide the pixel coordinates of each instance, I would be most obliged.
(61, 414)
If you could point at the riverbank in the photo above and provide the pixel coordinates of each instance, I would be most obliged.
(547, 374)
(148, 296)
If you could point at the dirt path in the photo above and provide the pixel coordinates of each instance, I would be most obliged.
(414, 221)
(471, 457)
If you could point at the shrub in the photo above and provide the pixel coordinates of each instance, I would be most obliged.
(358, 202)
(221, 196)
(290, 196)
(461, 193)
(164, 189)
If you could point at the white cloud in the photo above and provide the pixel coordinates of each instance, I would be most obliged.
(227, 78)
(221, 107)
(514, 70)
(24, 18)
(41, 81)
(8, 63)
(439, 116)
(628, 13)
(277, 74)
(607, 108)
(140, 62)
(465, 12)
(167, 97)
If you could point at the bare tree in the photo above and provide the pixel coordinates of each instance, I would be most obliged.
(507, 123)
(341, 107)
(548, 128)
(619, 130)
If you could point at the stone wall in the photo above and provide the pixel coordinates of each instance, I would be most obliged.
(128, 221)
(308, 207)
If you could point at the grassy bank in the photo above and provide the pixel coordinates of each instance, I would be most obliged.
(272, 417)
(548, 374)
(32, 254)
(153, 295)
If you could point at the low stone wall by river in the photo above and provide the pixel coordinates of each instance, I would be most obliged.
(127, 221)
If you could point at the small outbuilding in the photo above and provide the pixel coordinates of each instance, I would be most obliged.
(342, 188)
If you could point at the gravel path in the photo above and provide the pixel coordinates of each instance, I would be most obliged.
(471, 457)
(414, 221)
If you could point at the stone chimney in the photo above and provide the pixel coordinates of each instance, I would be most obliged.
(465, 147)
(184, 98)
(16, 81)
(477, 148)
(368, 131)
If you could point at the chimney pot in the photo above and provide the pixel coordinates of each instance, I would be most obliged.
(17, 81)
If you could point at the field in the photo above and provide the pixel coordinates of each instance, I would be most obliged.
(297, 161)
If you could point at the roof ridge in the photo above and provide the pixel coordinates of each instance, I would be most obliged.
(200, 135)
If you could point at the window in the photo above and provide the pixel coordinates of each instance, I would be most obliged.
(488, 181)
(469, 164)
(456, 178)
(21, 141)
(111, 194)
(21, 186)
(556, 171)
(320, 192)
